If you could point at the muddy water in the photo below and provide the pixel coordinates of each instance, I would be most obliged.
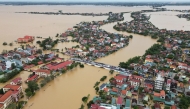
(66, 91)
(136, 47)
(169, 20)
(177, 7)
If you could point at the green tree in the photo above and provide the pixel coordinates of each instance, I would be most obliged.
(12, 106)
(111, 71)
(4, 43)
(33, 86)
(13, 66)
(97, 89)
(29, 93)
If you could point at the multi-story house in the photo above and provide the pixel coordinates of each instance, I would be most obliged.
(159, 81)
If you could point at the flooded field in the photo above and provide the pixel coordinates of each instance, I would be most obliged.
(169, 20)
(66, 91)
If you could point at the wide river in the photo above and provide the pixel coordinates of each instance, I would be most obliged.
(67, 90)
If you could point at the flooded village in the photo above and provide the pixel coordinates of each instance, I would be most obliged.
(39, 70)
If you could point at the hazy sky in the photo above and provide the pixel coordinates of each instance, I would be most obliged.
(100, 0)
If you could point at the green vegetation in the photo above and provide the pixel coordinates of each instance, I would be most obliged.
(184, 102)
(155, 49)
(32, 87)
(89, 103)
(85, 98)
(131, 36)
(82, 106)
(103, 78)
(4, 43)
(10, 44)
(18, 105)
(10, 75)
(111, 71)
(97, 89)
(131, 60)
(96, 84)
(81, 66)
(46, 80)
(167, 107)
(48, 43)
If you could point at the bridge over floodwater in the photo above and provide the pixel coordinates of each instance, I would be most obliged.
(105, 66)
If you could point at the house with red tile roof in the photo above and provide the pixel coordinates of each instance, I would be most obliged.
(148, 60)
(120, 78)
(31, 58)
(12, 93)
(2, 106)
(28, 67)
(94, 106)
(173, 107)
(16, 81)
(32, 78)
(60, 65)
(25, 39)
(119, 101)
(135, 82)
(6, 99)
(42, 72)
(182, 65)
(161, 95)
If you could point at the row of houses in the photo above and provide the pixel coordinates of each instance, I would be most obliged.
(12, 92)
(48, 70)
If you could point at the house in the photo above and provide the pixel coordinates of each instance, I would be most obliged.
(135, 82)
(42, 73)
(182, 65)
(127, 104)
(31, 58)
(149, 60)
(168, 84)
(173, 107)
(160, 96)
(16, 81)
(6, 99)
(25, 39)
(119, 101)
(119, 79)
(159, 81)
(157, 105)
(103, 86)
(70, 29)
(9, 63)
(134, 102)
(32, 78)
(60, 65)
(12, 93)
(94, 106)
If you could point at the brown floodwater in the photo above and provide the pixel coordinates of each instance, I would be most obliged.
(176, 7)
(66, 91)
(136, 47)
(169, 20)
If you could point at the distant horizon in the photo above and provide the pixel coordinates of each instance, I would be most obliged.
(100, 1)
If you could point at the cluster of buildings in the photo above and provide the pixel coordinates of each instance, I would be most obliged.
(11, 93)
(163, 76)
(94, 42)
(17, 58)
(187, 16)
(48, 70)
(25, 39)
(142, 25)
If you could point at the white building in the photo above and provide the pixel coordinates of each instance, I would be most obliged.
(159, 81)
